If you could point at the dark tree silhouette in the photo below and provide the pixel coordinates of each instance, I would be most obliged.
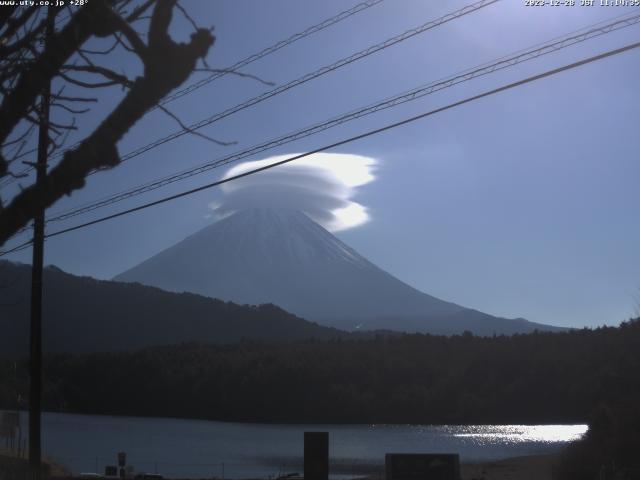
(27, 65)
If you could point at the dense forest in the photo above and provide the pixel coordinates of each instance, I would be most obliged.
(610, 448)
(532, 378)
(578, 376)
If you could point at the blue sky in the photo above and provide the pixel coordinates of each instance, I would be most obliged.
(520, 205)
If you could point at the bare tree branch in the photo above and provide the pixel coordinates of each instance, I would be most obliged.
(6, 50)
(194, 132)
(137, 13)
(236, 73)
(86, 22)
(186, 15)
(83, 84)
(167, 65)
(75, 99)
(114, 78)
(13, 24)
(84, 51)
(69, 109)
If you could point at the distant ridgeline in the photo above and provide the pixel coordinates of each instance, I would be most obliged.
(532, 378)
(82, 314)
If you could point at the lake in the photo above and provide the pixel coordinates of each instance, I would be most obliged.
(203, 449)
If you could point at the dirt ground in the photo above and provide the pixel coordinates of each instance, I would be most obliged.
(535, 467)
(10, 458)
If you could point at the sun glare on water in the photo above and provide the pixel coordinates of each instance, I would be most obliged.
(525, 433)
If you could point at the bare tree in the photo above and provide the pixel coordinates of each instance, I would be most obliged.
(27, 65)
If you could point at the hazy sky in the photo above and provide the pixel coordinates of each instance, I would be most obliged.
(523, 204)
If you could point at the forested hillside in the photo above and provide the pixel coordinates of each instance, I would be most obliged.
(533, 378)
(82, 315)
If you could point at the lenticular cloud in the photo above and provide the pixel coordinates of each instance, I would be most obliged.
(321, 185)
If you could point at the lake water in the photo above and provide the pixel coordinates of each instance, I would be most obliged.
(203, 449)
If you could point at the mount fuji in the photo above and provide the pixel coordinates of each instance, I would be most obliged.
(259, 256)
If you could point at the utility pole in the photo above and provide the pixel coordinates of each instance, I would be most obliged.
(35, 360)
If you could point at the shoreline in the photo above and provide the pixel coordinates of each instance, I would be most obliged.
(529, 467)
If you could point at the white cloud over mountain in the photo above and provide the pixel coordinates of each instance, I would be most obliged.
(322, 185)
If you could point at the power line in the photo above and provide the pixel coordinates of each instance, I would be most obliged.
(17, 248)
(504, 62)
(376, 131)
(273, 48)
(328, 22)
(311, 76)
(509, 86)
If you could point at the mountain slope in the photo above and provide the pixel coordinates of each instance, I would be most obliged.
(82, 314)
(282, 257)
